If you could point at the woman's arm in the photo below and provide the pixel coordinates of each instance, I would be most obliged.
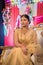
(17, 44)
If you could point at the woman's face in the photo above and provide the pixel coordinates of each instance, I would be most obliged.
(24, 21)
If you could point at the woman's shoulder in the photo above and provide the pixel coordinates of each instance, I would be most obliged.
(17, 29)
(31, 29)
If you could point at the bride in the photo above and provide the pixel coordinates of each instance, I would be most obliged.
(25, 41)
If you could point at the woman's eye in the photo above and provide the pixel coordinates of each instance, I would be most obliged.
(24, 20)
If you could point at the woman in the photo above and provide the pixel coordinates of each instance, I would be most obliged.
(25, 41)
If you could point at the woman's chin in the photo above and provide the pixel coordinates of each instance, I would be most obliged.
(23, 25)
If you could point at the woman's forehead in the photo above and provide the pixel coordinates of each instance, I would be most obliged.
(23, 17)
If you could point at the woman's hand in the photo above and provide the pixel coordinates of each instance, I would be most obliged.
(25, 50)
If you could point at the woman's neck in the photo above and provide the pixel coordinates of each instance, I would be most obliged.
(24, 29)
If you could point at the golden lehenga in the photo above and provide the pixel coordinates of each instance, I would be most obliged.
(16, 56)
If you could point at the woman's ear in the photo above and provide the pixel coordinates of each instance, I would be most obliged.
(28, 22)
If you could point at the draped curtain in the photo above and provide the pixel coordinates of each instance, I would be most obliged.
(9, 41)
(39, 8)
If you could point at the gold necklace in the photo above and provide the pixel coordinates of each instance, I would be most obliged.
(24, 30)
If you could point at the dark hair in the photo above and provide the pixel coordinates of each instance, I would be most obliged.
(26, 16)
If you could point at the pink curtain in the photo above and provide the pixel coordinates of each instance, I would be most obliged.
(40, 9)
(9, 41)
(38, 19)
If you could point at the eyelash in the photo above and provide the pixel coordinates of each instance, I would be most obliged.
(23, 20)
